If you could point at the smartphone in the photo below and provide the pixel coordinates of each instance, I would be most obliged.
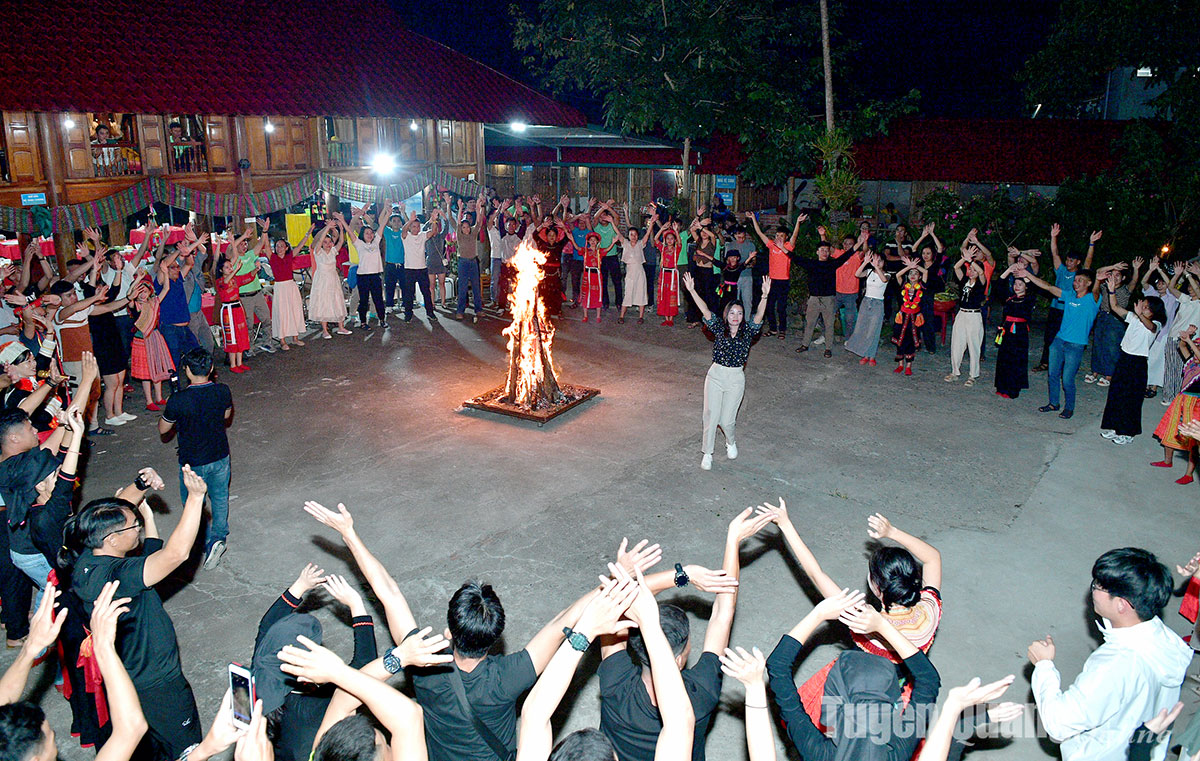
(241, 686)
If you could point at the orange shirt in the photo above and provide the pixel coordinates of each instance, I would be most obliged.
(779, 263)
(845, 278)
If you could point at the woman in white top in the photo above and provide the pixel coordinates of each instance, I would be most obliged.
(370, 265)
(865, 340)
(1123, 412)
(633, 255)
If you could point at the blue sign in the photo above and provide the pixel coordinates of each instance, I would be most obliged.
(726, 184)
(33, 199)
(527, 168)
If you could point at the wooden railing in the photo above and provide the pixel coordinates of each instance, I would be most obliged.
(341, 154)
(116, 160)
(188, 159)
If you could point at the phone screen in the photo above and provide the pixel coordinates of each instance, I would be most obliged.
(239, 686)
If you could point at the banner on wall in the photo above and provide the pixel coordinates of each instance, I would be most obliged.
(144, 194)
(726, 184)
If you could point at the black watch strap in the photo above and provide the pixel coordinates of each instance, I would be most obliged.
(681, 577)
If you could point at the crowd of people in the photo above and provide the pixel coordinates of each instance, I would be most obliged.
(89, 572)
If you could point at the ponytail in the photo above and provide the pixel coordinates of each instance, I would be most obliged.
(86, 529)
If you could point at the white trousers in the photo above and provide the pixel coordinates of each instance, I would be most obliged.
(723, 391)
(967, 335)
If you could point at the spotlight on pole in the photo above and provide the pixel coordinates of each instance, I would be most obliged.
(268, 127)
(518, 126)
(69, 123)
(383, 164)
(412, 125)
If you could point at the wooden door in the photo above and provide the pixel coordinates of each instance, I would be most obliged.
(219, 149)
(154, 143)
(76, 142)
(20, 136)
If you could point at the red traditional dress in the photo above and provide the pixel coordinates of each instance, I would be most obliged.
(668, 280)
(233, 317)
(150, 359)
(918, 624)
(907, 336)
(1184, 408)
(591, 295)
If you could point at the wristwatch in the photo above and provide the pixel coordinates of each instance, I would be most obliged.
(577, 640)
(681, 578)
(391, 663)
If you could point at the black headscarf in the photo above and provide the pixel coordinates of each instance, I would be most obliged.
(862, 693)
(19, 477)
(272, 685)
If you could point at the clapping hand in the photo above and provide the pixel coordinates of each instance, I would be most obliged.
(424, 649)
(974, 693)
(778, 513)
(1191, 568)
(1055, 229)
(105, 612)
(1041, 650)
(747, 667)
(1095, 236)
(193, 483)
(309, 577)
(642, 557)
(840, 604)
(339, 590)
(604, 614)
(44, 627)
(1139, 262)
(878, 527)
(341, 521)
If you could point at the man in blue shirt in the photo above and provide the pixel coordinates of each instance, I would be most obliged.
(1064, 273)
(1080, 307)
(393, 258)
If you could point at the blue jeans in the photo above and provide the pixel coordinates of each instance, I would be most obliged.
(494, 285)
(180, 340)
(36, 567)
(468, 278)
(1065, 358)
(847, 308)
(393, 278)
(216, 475)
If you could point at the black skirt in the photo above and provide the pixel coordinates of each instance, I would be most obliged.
(1012, 360)
(1123, 411)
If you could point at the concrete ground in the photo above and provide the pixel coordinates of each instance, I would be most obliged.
(1019, 503)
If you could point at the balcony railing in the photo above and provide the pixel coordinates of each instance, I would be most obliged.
(187, 159)
(342, 154)
(116, 160)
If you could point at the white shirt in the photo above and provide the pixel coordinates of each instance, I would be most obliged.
(875, 286)
(1137, 338)
(1188, 313)
(1136, 673)
(494, 241)
(414, 250)
(127, 273)
(508, 247)
(370, 260)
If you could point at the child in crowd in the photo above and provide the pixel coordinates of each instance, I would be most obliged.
(234, 331)
(907, 336)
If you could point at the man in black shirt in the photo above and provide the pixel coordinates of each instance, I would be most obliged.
(822, 292)
(201, 412)
(100, 545)
(629, 714)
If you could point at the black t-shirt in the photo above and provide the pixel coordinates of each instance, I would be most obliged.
(973, 294)
(145, 635)
(632, 722)
(198, 413)
(41, 419)
(492, 690)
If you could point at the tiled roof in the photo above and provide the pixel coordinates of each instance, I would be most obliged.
(250, 58)
(1024, 151)
(531, 154)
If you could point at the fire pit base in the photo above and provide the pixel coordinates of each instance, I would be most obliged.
(492, 401)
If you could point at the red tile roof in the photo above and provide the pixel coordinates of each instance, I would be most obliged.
(1024, 151)
(250, 58)
(579, 156)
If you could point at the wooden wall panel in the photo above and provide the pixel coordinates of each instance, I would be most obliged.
(257, 145)
(20, 136)
(76, 142)
(153, 143)
(220, 139)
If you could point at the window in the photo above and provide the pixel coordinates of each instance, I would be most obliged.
(341, 141)
(112, 139)
(186, 143)
(1145, 71)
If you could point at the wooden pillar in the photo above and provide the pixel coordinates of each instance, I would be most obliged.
(64, 243)
(480, 156)
(118, 235)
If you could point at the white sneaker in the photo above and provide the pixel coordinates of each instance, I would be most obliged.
(706, 462)
(731, 450)
(127, 417)
(819, 341)
(115, 421)
(1122, 440)
(213, 558)
(1108, 434)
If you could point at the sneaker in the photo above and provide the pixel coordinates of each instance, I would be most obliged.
(1103, 382)
(268, 348)
(1184, 480)
(820, 341)
(1108, 434)
(213, 557)
(1091, 378)
(706, 462)
(1166, 402)
(908, 370)
(1122, 440)
(127, 417)
(872, 362)
(152, 407)
(731, 450)
(115, 421)
(863, 361)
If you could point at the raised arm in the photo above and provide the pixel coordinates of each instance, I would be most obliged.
(779, 516)
(43, 633)
(1055, 229)
(761, 312)
(749, 668)
(758, 230)
(1021, 271)
(1091, 251)
(125, 710)
(690, 283)
(399, 615)
(796, 228)
(745, 525)
(178, 546)
(879, 527)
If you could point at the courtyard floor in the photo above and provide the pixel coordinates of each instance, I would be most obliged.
(1019, 503)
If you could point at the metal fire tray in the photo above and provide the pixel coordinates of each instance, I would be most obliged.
(492, 401)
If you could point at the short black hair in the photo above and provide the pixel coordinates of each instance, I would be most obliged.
(59, 287)
(1158, 310)
(351, 739)
(675, 626)
(897, 575)
(87, 529)
(1136, 576)
(1089, 274)
(584, 745)
(20, 730)
(10, 420)
(198, 362)
(475, 618)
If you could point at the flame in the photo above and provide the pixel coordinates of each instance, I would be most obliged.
(530, 334)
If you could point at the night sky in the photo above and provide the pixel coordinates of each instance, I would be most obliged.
(963, 56)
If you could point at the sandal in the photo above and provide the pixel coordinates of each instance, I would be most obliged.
(1049, 408)
(1091, 378)
(641, 320)
(621, 320)
(1102, 382)
(970, 382)
(101, 431)
(828, 353)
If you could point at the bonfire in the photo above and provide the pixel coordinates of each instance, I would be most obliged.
(531, 389)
